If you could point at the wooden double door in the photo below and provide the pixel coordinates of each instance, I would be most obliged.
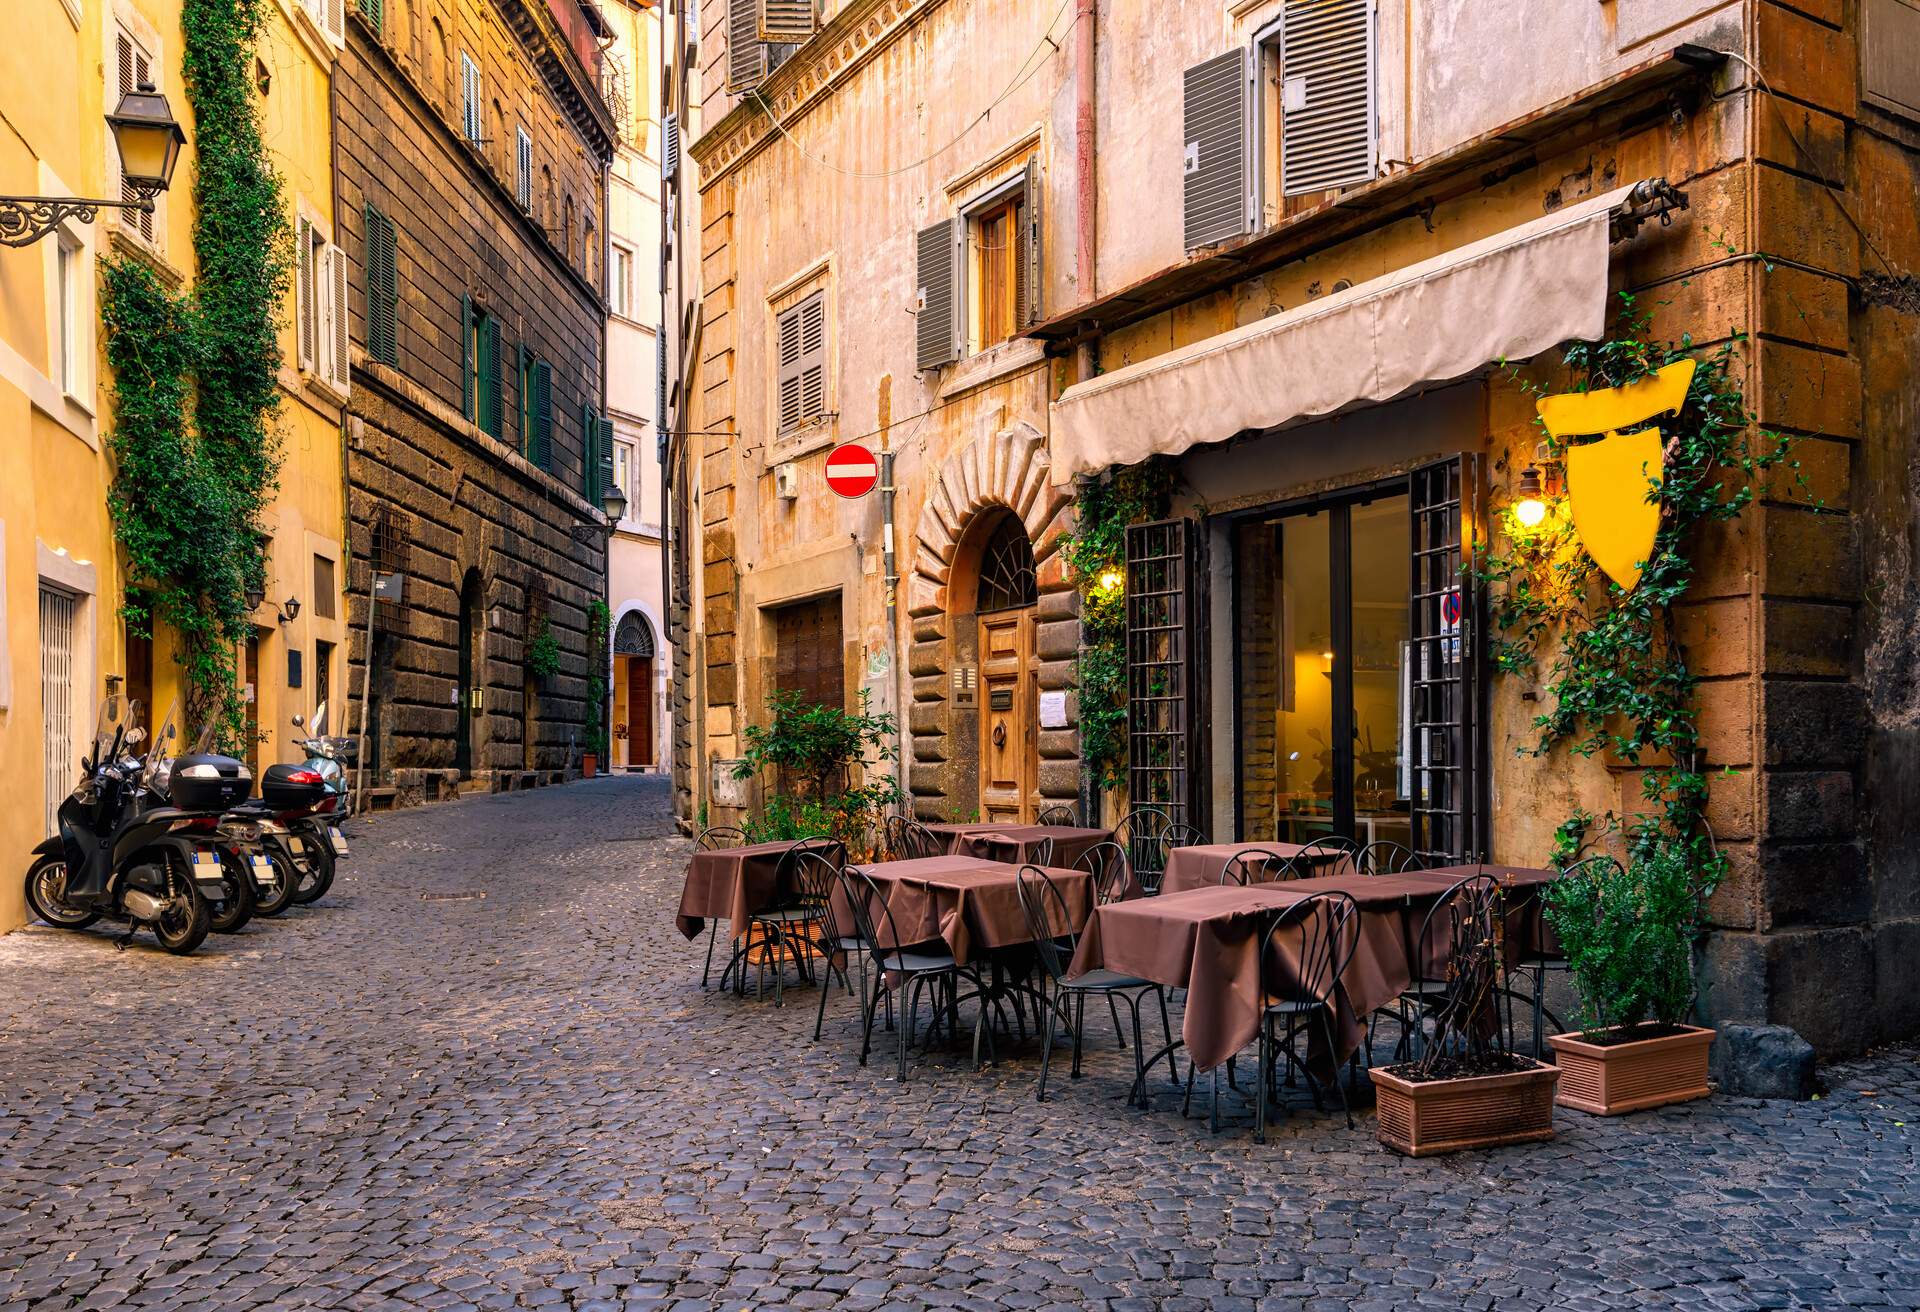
(1009, 716)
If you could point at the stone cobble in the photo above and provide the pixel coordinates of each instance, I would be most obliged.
(527, 1101)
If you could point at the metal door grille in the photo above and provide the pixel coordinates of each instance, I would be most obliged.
(1444, 673)
(56, 699)
(1159, 667)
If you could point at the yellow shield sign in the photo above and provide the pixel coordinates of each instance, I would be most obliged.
(1611, 480)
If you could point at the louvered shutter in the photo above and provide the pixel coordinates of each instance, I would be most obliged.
(541, 408)
(939, 337)
(342, 352)
(490, 413)
(324, 312)
(1214, 116)
(131, 67)
(467, 357)
(746, 56)
(374, 11)
(470, 97)
(589, 454)
(801, 376)
(383, 290)
(670, 148)
(523, 169)
(603, 462)
(786, 20)
(660, 379)
(1326, 68)
(304, 309)
(335, 18)
(1027, 293)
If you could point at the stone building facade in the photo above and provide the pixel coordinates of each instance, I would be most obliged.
(473, 146)
(1256, 181)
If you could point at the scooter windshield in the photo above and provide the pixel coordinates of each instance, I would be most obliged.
(320, 721)
(160, 750)
(110, 726)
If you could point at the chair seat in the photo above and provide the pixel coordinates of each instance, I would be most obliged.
(916, 963)
(787, 915)
(1293, 1008)
(1105, 981)
(1426, 988)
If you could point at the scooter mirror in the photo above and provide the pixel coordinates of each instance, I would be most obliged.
(299, 721)
(136, 736)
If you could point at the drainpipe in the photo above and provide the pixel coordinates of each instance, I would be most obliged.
(1085, 263)
(889, 561)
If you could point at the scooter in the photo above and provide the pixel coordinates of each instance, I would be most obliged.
(119, 857)
(315, 842)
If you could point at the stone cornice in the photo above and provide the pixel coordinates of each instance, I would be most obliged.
(857, 33)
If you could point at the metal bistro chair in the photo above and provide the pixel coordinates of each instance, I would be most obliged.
(908, 839)
(1539, 964)
(713, 839)
(1464, 917)
(789, 926)
(1323, 855)
(911, 968)
(1140, 831)
(1322, 930)
(1107, 863)
(1059, 815)
(1258, 865)
(1383, 856)
(1045, 907)
(1174, 835)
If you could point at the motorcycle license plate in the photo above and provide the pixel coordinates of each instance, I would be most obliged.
(206, 869)
(263, 871)
(338, 840)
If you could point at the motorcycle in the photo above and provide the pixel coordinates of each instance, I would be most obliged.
(120, 857)
(254, 883)
(314, 841)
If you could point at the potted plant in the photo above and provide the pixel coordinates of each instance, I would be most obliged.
(1627, 931)
(1467, 1088)
(812, 755)
(619, 746)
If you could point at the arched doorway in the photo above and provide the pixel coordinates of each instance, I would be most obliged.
(633, 655)
(994, 574)
(472, 616)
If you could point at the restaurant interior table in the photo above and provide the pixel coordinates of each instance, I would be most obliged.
(1018, 843)
(1199, 866)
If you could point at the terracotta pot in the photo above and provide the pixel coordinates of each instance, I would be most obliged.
(1608, 1079)
(588, 764)
(1481, 1111)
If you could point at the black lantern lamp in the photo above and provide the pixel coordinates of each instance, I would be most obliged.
(148, 141)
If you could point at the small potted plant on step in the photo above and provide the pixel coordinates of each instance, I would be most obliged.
(1628, 931)
(1467, 1088)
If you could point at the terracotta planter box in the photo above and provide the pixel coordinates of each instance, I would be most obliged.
(1608, 1079)
(1481, 1111)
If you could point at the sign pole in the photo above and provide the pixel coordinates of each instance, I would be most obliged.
(366, 684)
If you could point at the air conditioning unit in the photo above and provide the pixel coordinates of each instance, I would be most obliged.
(786, 481)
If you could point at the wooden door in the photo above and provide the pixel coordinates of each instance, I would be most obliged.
(639, 710)
(252, 705)
(1009, 742)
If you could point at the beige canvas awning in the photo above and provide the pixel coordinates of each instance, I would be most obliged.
(1505, 297)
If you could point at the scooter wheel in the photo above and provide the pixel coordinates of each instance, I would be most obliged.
(313, 864)
(185, 925)
(236, 905)
(285, 884)
(44, 879)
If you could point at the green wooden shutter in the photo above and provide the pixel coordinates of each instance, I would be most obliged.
(523, 380)
(467, 361)
(383, 290)
(541, 405)
(603, 458)
(589, 454)
(490, 411)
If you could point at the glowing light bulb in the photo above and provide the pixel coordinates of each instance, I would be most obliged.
(1530, 512)
(1111, 579)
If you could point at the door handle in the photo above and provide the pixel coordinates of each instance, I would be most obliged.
(1000, 735)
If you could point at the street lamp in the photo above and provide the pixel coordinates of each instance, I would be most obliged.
(613, 504)
(148, 141)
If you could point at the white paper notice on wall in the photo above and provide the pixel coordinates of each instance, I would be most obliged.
(1053, 710)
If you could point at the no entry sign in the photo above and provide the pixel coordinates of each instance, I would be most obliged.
(851, 470)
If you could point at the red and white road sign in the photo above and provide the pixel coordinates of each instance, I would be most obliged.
(852, 470)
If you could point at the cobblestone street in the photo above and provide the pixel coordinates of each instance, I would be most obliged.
(411, 1097)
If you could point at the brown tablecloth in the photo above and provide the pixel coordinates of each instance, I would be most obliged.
(1021, 843)
(1199, 866)
(969, 904)
(731, 884)
(1206, 941)
(1526, 935)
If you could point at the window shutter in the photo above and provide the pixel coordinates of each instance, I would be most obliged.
(470, 97)
(131, 66)
(786, 20)
(746, 56)
(1027, 295)
(342, 352)
(541, 408)
(939, 338)
(324, 312)
(523, 169)
(670, 148)
(802, 371)
(383, 291)
(589, 459)
(1214, 114)
(335, 18)
(467, 361)
(660, 379)
(1326, 64)
(374, 11)
(603, 462)
(490, 415)
(304, 309)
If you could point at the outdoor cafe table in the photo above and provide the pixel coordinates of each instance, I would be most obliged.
(731, 883)
(1526, 934)
(1199, 866)
(1207, 941)
(970, 904)
(1019, 843)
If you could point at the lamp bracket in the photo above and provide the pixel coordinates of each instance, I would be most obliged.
(24, 220)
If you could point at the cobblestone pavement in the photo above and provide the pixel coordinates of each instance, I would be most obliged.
(526, 1100)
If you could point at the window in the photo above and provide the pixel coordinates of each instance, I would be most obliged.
(620, 280)
(1313, 102)
(1007, 578)
(67, 342)
(801, 378)
(1004, 260)
(623, 467)
(536, 409)
(374, 11)
(323, 589)
(320, 307)
(761, 34)
(588, 240)
(383, 289)
(323, 678)
(470, 99)
(523, 169)
(480, 367)
(59, 681)
(330, 16)
(133, 65)
(566, 229)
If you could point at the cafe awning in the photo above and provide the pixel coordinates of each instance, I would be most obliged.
(1504, 297)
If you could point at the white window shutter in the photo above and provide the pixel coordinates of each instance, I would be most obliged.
(323, 313)
(336, 19)
(305, 309)
(342, 353)
(746, 54)
(940, 335)
(523, 174)
(1327, 68)
(1214, 163)
(786, 20)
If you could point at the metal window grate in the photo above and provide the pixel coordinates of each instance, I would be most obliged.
(392, 541)
(1007, 578)
(1448, 811)
(1159, 667)
(634, 636)
(56, 700)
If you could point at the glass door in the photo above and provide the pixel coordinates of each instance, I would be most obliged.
(1321, 650)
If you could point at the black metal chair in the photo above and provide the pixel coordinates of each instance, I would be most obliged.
(910, 968)
(1046, 911)
(788, 926)
(1174, 835)
(908, 839)
(1140, 831)
(1538, 965)
(1258, 865)
(712, 839)
(1464, 917)
(1060, 815)
(1107, 863)
(1326, 854)
(1322, 932)
(1383, 856)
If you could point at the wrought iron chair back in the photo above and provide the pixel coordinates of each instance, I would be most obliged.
(908, 839)
(715, 837)
(1059, 815)
(830, 850)
(1258, 865)
(1383, 856)
(1328, 855)
(865, 896)
(1323, 931)
(1140, 831)
(1467, 921)
(1044, 904)
(1107, 863)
